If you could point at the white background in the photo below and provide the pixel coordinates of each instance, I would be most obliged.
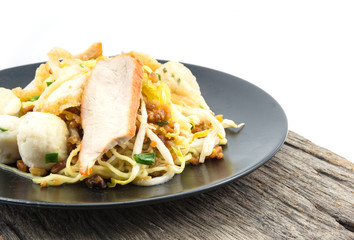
(300, 52)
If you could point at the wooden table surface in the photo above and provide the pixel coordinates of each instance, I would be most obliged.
(303, 192)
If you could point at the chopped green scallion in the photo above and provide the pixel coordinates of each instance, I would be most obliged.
(3, 129)
(34, 98)
(164, 70)
(161, 123)
(145, 158)
(179, 80)
(159, 76)
(49, 83)
(51, 157)
(82, 65)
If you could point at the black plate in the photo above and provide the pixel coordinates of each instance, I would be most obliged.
(265, 131)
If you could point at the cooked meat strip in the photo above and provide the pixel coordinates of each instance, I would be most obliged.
(109, 106)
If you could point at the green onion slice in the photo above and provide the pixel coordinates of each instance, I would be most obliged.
(145, 158)
(162, 123)
(159, 76)
(34, 98)
(3, 129)
(51, 157)
(49, 83)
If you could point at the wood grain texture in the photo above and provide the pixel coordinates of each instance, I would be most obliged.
(303, 192)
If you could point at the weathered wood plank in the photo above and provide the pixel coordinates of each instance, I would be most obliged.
(303, 192)
(7, 231)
